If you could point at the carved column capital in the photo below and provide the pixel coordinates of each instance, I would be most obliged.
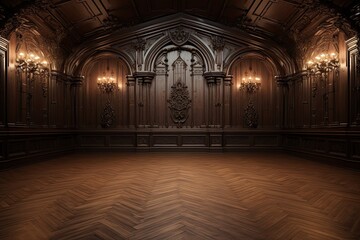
(130, 80)
(144, 77)
(76, 81)
(214, 77)
(281, 81)
(228, 80)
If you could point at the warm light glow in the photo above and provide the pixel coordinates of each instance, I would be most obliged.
(323, 62)
(250, 82)
(107, 83)
(250, 77)
(30, 62)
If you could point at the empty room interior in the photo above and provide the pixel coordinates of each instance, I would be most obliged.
(180, 119)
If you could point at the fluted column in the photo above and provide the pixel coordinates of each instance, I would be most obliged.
(131, 95)
(215, 81)
(354, 81)
(227, 101)
(75, 87)
(143, 80)
(283, 90)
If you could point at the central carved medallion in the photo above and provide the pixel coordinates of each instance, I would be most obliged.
(179, 36)
(179, 103)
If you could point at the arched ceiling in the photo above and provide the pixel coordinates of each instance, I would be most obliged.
(79, 20)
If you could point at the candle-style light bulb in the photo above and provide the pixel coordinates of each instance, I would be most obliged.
(21, 55)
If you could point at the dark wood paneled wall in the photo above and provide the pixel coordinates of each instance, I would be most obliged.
(21, 146)
(341, 146)
(4, 57)
(179, 140)
(62, 111)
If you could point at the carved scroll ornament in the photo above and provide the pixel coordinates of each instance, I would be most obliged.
(179, 103)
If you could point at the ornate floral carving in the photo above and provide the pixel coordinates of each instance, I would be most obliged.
(111, 22)
(179, 36)
(10, 25)
(108, 116)
(139, 44)
(2, 13)
(218, 42)
(179, 103)
(250, 115)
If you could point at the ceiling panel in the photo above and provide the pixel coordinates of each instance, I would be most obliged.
(75, 12)
(198, 5)
(280, 12)
(162, 6)
(86, 17)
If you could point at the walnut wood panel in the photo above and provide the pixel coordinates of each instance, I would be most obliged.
(3, 77)
(179, 139)
(340, 147)
(179, 196)
(17, 147)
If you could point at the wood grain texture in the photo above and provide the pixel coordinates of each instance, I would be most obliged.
(179, 196)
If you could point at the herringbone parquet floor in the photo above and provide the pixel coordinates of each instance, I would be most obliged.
(179, 196)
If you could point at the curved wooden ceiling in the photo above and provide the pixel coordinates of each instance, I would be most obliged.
(82, 19)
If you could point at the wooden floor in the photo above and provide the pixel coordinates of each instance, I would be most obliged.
(179, 196)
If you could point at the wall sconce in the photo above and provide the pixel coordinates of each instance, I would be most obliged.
(319, 69)
(250, 84)
(30, 64)
(107, 85)
(323, 63)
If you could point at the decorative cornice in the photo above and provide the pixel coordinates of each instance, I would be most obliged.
(290, 78)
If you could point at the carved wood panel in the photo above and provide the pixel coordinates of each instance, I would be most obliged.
(94, 102)
(171, 67)
(263, 101)
(4, 44)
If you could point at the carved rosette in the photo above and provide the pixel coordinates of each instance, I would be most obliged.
(179, 103)
(179, 36)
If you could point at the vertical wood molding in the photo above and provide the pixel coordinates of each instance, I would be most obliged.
(4, 48)
(353, 81)
(132, 108)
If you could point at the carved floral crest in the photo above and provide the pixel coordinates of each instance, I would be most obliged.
(179, 36)
(179, 103)
(218, 42)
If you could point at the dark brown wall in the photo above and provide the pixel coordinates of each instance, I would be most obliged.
(65, 107)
